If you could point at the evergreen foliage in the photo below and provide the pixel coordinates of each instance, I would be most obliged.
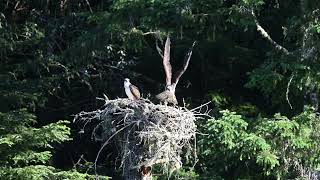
(26, 150)
(257, 58)
(26, 143)
(277, 147)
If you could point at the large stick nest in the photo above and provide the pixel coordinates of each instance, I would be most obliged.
(147, 133)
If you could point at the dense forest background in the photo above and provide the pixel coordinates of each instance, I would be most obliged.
(257, 61)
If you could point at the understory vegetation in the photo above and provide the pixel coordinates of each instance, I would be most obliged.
(256, 61)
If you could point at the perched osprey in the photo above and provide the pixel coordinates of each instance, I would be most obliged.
(168, 96)
(131, 90)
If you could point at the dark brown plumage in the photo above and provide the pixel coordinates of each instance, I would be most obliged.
(131, 90)
(167, 97)
(135, 91)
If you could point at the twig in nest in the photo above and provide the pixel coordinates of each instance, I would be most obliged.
(199, 107)
(148, 133)
(96, 160)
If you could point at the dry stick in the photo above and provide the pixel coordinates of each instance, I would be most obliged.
(200, 106)
(78, 162)
(169, 122)
(287, 93)
(16, 6)
(96, 160)
(151, 32)
(201, 116)
(89, 5)
(125, 152)
(206, 109)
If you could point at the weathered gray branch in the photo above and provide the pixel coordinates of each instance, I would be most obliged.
(265, 34)
(185, 65)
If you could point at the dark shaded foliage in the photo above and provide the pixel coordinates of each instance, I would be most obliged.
(57, 56)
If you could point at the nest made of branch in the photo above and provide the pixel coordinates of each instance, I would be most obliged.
(147, 133)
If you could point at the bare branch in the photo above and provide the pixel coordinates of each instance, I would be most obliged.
(106, 143)
(151, 32)
(287, 93)
(265, 34)
(199, 107)
(88, 3)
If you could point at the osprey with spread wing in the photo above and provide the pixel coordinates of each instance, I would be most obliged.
(168, 96)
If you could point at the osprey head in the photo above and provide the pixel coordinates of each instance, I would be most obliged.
(170, 88)
(126, 80)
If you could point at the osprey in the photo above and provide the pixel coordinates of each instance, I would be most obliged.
(168, 96)
(131, 90)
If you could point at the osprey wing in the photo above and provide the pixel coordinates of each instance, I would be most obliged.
(135, 91)
(185, 65)
(166, 61)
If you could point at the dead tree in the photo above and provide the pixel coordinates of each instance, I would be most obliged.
(168, 96)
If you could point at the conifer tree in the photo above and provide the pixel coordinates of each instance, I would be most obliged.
(26, 146)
